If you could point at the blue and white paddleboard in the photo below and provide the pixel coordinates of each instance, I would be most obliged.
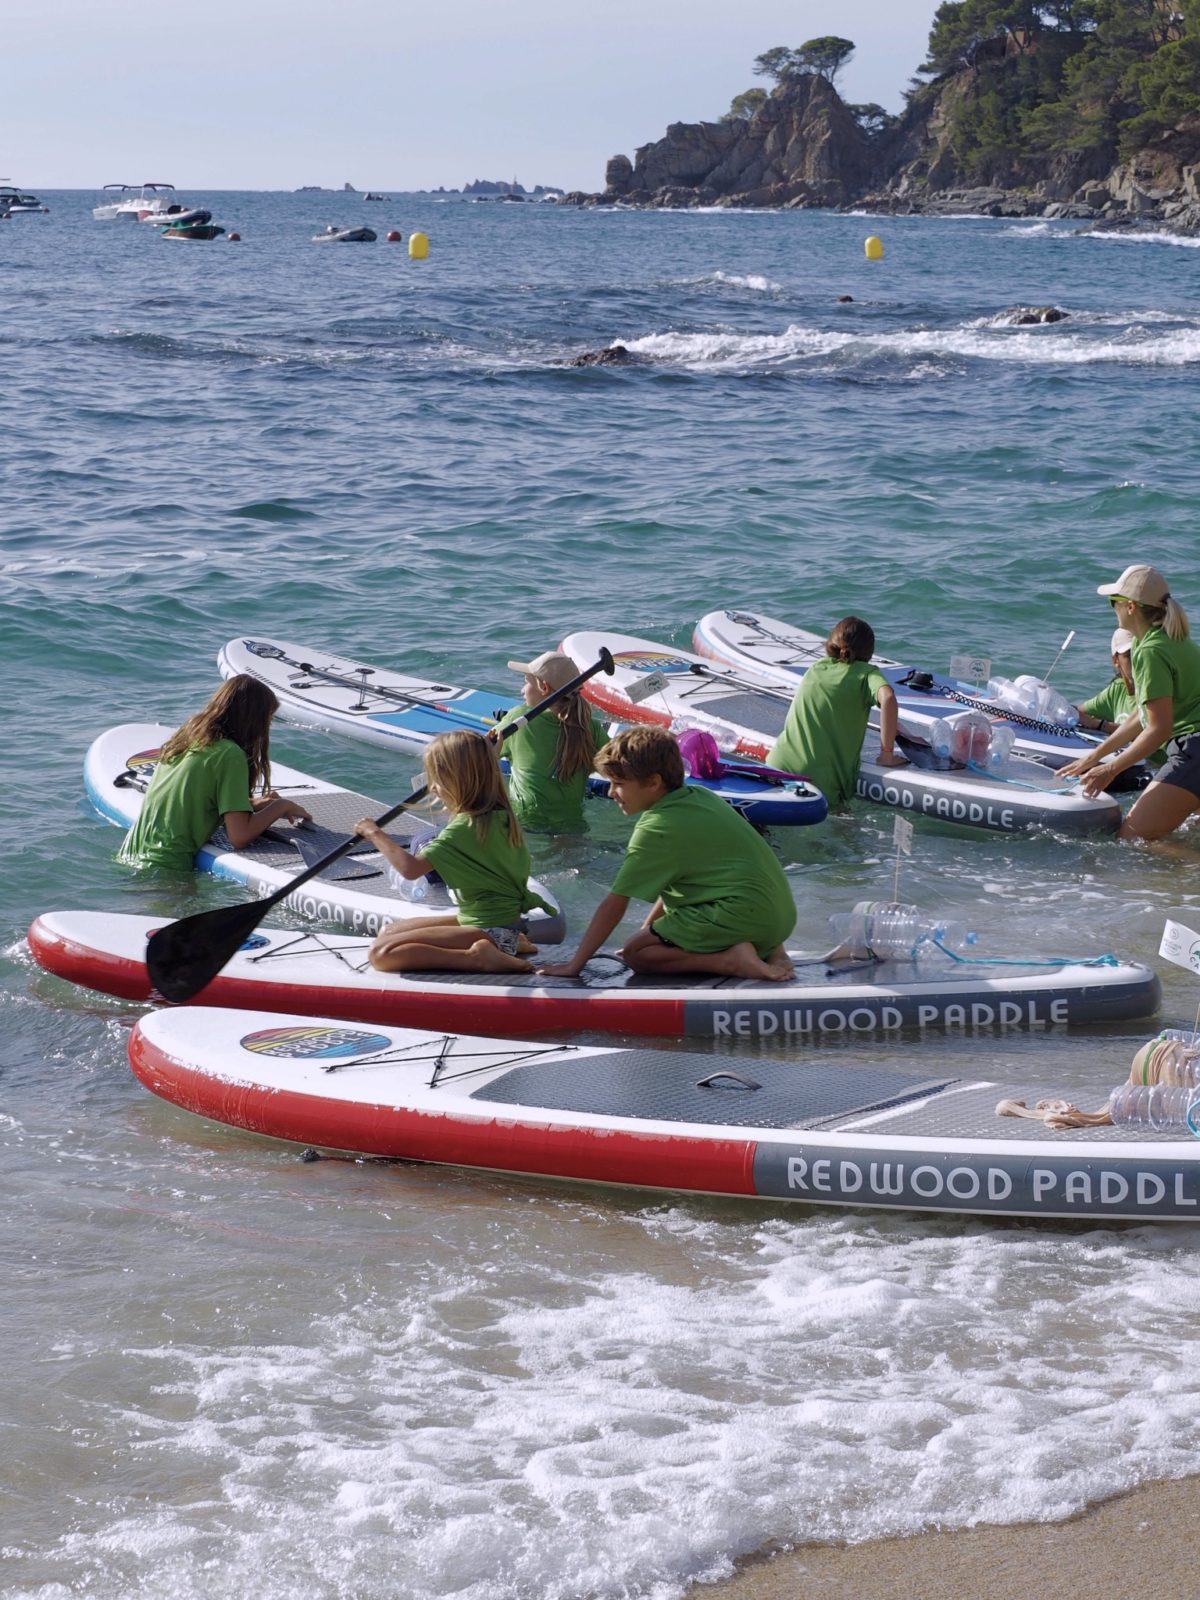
(746, 711)
(783, 652)
(381, 707)
(357, 891)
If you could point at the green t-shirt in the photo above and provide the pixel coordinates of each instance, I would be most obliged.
(719, 880)
(1164, 666)
(1112, 704)
(184, 804)
(489, 876)
(823, 735)
(544, 803)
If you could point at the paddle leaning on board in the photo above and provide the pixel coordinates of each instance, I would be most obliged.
(187, 954)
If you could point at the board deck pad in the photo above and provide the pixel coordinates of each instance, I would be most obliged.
(668, 1088)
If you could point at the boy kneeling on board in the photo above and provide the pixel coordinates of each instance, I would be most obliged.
(720, 901)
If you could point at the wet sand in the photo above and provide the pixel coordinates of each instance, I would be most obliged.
(1145, 1542)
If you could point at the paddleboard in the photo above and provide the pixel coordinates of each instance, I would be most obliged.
(388, 708)
(746, 712)
(289, 969)
(783, 652)
(357, 891)
(860, 1135)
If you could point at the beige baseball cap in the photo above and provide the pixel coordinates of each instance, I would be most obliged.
(550, 667)
(1122, 642)
(1144, 584)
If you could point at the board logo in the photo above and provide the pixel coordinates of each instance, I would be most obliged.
(651, 661)
(144, 758)
(314, 1043)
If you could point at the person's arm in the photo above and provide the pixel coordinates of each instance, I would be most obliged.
(1130, 729)
(1160, 723)
(243, 827)
(393, 852)
(889, 716)
(656, 910)
(604, 919)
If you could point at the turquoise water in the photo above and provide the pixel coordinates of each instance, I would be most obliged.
(227, 1368)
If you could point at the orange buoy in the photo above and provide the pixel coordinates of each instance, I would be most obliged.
(395, 236)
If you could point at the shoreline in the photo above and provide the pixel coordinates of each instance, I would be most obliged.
(1145, 1539)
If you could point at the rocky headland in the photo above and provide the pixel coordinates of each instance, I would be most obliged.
(802, 145)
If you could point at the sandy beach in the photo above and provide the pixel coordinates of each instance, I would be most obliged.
(1145, 1542)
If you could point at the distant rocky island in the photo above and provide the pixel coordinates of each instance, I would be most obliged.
(1081, 108)
(479, 188)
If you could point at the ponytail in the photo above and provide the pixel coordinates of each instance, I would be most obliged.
(575, 750)
(1170, 617)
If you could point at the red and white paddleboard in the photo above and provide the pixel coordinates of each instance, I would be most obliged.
(854, 1135)
(326, 974)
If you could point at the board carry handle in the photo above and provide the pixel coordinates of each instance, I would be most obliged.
(188, 953)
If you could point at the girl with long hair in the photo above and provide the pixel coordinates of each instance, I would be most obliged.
(480, 855)
(551, 758)
(207, 773)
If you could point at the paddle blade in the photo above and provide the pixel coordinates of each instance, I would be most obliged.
(185, 955)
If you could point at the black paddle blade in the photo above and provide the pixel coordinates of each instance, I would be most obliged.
(185, 955)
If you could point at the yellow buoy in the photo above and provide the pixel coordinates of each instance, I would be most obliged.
(873, 247)
(418, 246)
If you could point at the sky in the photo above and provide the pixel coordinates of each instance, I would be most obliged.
(389, 94)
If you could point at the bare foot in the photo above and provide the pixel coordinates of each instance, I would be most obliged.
(526, 946)
(491, 959)
(779, 965)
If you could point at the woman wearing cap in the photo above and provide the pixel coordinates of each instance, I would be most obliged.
(551, 757)
(1166, 683)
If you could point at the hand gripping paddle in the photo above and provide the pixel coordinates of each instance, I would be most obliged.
(185, 955)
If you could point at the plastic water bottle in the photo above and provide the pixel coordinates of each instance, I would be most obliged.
(1000, 749)
(970, 739)
(890, 931)
(1163, 1107)
(1030, 697)
(941, 738)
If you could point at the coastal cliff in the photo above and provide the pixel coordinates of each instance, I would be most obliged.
(1042, 120)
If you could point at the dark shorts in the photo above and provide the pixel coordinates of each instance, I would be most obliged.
(506, 939)
(1182, 766)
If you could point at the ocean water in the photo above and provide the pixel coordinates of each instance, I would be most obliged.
(228, 1371)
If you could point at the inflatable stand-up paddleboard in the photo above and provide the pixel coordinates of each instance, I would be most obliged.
(782, 651)
(357, 891)
(862, 1135)
(746, 711)
(387, 708)
(289, 969)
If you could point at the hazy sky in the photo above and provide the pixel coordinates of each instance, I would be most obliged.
(261, 94)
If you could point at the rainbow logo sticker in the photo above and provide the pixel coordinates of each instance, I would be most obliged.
(144, 758)
(651, 661)
(314, 1043)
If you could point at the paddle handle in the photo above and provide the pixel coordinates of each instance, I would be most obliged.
(603, 663)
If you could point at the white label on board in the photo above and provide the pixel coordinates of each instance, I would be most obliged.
(902, 833)
(652, 683)
(1180, 945)
(976, 668)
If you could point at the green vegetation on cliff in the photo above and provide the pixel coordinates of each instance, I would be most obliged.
(1092, 79)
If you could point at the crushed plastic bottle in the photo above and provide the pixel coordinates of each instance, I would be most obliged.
(1030, 697)
(896, 932)
(970, 739)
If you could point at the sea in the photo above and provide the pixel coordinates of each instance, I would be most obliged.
(228, 1371)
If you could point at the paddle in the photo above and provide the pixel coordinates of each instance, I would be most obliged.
(187, 954)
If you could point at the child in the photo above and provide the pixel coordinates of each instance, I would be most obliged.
(480, 854)
(206, 774)
(1107, 710)
(720, 901)
(822, 737)
(552, 756)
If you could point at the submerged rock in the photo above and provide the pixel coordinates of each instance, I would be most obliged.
(613, 355)
(1022, 316)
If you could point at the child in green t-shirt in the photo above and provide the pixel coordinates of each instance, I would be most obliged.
(1106, 711)
(719, 900)
(822, 737)
(480, 855)
(206, 774)
(551, 757)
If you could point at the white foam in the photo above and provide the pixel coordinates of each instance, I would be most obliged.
(1184, 241)
(733, 280)
(1043, 345)
(505, 1432)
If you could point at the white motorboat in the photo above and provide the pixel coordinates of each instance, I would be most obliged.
(13, 201)
(130, 202)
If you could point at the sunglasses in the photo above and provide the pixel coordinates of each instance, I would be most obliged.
(1116, 600)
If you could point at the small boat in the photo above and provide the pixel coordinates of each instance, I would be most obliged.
(13, 202)
(131, 202)
(336, 235)
(371, 195)
(200, 227)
